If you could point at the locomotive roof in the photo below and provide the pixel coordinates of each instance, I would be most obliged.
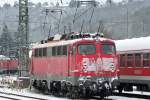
(66, 42)
(141, 43)
(2, 57)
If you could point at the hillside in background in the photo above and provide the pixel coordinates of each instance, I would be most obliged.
(118, 21)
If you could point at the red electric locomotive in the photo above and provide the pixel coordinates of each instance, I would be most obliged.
(134, 63)
(75, 65)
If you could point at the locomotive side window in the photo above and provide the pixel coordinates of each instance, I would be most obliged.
(59, 50)
(64, 52)
(122, 60)
(108, 49)
(86, 49)
(36, 52)
(145, 59)
(44, 52)
(40, 52)
(49, 51)
(137, 60)
(54, 51)
(130, 60)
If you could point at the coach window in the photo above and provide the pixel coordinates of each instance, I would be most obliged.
(137, 60)
(145, 59)
(49, 51)
(122, 60)
(130, 60)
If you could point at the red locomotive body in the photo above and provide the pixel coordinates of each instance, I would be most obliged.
(82, 63)
(134, 63)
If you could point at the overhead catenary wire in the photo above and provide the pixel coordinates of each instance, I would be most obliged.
(49, 33)
(75, 15)
(84, 12)
(69, 27)
(59, 21)
(45, 22)
(82, 25)
(65, 29)
(91, 19)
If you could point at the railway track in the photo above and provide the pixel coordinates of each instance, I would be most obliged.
(12, 96)
(132, 95)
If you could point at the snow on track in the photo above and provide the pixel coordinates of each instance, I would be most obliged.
(25, 94)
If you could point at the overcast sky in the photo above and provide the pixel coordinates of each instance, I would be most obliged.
(36, 1)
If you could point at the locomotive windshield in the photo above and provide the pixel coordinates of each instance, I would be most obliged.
(86, 49)
(108, 49)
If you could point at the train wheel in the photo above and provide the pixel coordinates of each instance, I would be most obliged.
(34, 84)
(120, 88)
(63, 89)
(106, 90)
(74, 92)
(44, 87)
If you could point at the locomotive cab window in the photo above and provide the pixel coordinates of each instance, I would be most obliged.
(86, 49)
(108, 49)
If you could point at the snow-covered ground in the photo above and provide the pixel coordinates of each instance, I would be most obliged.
(123, 98)
(27, 92)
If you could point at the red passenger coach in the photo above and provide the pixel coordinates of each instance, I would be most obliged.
(79, 64)
(134, 63)
(7, 65)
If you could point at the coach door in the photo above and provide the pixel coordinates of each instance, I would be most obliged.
(71, 60)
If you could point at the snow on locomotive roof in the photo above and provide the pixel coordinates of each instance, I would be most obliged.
(2, 57)
(66, 42)
(141, 43)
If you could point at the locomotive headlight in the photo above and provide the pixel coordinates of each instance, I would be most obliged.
(82, 78)
(112, 67)
(100, 81)
(89, 77)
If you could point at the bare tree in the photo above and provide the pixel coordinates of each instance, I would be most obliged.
(6, 41)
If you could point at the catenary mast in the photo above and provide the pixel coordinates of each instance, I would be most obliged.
(23, 39)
